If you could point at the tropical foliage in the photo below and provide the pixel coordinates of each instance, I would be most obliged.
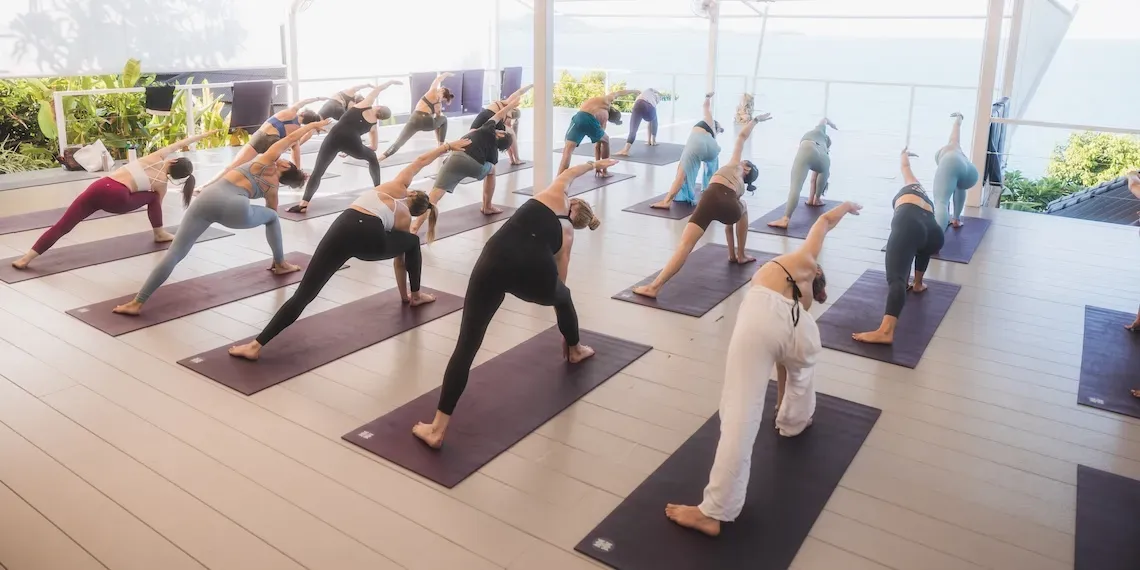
(572, 91)
(1021, 193)
(1085, 160)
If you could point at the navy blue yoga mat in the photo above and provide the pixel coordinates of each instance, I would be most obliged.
(791, 481)
(1110, 362)
(1108, 521)
(800, 224)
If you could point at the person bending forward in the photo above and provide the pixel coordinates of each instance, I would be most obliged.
(590, 121)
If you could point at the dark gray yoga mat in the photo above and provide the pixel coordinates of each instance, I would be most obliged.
(1108, 521)
(320, 339)
(42, 219)
(1110, 363)
(798, 226)
(503, 168)
(705, 281)
(676, 211)
(464, 219)
(861, 307)
(57, 175)
(961, 243)
(584, 184)
(791, 481)
(660, 155)
(61, 259)
(507, 398)
(400, 158)
(183, 298)
(322, 205)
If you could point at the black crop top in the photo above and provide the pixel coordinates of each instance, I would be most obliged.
(915, 189)
(352, 122)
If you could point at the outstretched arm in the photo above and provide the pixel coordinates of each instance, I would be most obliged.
(517, 95)
(166, 150)
(738, 149)
(351, 91)
(707, 108)
(618, 94)
(904, 165)
(276, 149)
(409, 172)
(439, 80)
(814, 242)
(568, 176)
(299, 104)
(503, 112)
(370, 98)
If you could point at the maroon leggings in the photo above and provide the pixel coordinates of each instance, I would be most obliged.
(105, 194)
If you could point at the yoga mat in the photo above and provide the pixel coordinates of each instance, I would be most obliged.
(502, 168)
(507, 398)
(1108, 521)
(466, 218)
(61, 259)
(183, 298)
(799, 225)
(676, 211)
(791, 481)
(706, 279)
(403, 157)
(322, 205)
(961, 243)
(660, 155)
(42, 219)
(320, 339)
(56, 175)
(1110, 363)
(584, 184)
(860, 309)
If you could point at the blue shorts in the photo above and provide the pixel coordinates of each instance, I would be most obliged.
(583, 125)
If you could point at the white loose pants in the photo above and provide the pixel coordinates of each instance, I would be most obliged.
(764, 336)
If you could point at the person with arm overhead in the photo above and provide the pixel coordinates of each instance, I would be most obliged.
(509, 123)
(812, 156)
(700, 149)
(336, 105)
(954, 176)
(721, 202)
(590, 121)
(427, 116)
(529, 257)
(279, 126)
(644, 108)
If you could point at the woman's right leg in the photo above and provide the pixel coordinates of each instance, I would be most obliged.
(906, 238)
(417, 122)
(945, 181)
(689, 238)
(441, 129)
(356, 149)
(634, 124)
(87, 203)
(800, 169)
(325, 156)
(194, 224)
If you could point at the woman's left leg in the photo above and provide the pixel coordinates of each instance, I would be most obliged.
(689, 238)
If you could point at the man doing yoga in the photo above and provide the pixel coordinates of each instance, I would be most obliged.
(590, 121)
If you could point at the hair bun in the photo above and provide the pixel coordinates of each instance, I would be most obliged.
(594, 223)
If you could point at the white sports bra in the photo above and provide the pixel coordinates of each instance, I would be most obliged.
(371, 202)
(143, 181)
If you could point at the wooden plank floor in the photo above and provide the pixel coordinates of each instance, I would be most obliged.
(115, 457)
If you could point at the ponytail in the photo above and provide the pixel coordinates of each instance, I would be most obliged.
(419, 203)
(433, 215)
(187, 191)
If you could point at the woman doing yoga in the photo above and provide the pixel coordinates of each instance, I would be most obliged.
(701, 148)
(509, 123)
(773, 328)
(373, 228)
(813, 156)
(126, 189)
(590, 121)
(344, 137)
(336, 105)
(644, 108)
(276, 128)
(721, 202)
(915, 236)
(953, 177)
(227, 202)
(529, 258)
(427, 116)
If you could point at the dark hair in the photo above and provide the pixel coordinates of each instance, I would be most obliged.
(293, 177)
(446, 94)
(382, 113)
(819, 287)
(615, 116)
(308, 116)
(183, 168)
(503, 143)
(751, 175)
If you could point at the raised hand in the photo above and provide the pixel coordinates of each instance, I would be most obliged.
(762, 117)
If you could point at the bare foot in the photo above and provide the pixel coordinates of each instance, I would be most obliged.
(163, 236)
(815, 203)
(602, 173)
(1135, 326)
(133, 308)
(742, 259)
(917, 287)
(491, 211)
(517, 162)
(874, 337)
(284, 267)
(576, 354)
(780, 223)
(622, 153)
(956, 223)
(645, 291)
(692, 517)
(428, 435)
(662, 205)
(22, 263)
(250, 351)
(418, 299)
(652, 143)
(1135, 393)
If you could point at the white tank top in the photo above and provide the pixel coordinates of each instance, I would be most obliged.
(371, 202)
(138, 173)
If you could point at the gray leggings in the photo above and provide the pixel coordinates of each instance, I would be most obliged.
(811, 157)
(419, 121)
(456, 167)
(222, 202)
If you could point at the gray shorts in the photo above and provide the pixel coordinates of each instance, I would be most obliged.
(261, 141)
(458, 166)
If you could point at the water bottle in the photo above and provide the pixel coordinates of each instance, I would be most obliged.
(132, 154)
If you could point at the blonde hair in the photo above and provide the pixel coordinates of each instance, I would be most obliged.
(418, 204)
(585, 217)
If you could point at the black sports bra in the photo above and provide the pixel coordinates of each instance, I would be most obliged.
(796, 294)
(430, 104)
(913, 189)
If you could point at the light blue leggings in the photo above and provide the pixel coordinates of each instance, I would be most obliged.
(953, 177)
(812, 156)
(222, 202)
(701, 148)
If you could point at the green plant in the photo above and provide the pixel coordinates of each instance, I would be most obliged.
(1021, 193)
(1089, 158)
(23, 159)
(571, 92)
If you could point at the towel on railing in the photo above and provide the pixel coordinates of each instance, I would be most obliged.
(251, 104)
(159, 99)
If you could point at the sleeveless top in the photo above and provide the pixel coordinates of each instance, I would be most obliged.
(280, 125)
(370, 201)
(259, 185)
(732, 172)
(913, 189)
(143, 181)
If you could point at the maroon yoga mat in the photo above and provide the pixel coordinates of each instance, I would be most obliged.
(464, 219)
(861, 307)
(791, 481)
(706, 279)
(61, 259)
(583, 184)
(1110, 362)
(676, 211)
(320, 339)
(503, 167)
(1108, 521)
(183, 298)
(506, 398)
(660, 155)
(799, 225)
(42, 219)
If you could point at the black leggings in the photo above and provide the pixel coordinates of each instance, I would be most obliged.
(419, 122)
(349, 144)
(515, 263)
(915, 236)
(352, 235)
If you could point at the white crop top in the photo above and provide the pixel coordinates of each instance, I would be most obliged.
(143, 182)
(371, 202)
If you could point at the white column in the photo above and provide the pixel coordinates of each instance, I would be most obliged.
(1011, 48)
(291, 63)
(760, 47)
(543, 93)
(493, 65)
(986, 82)
(60, 120)
(714, 31)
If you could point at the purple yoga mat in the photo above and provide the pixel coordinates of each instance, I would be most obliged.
(42, 219)
(799, 225)
(400, 158)
(791, 481)
(860, 309)
(464, 219)
(1110, 363)
(961, 243)
(660, 155)
(1108, 521)
(507, 398)
(61, 259)
(503, 168)
(584, 184)
(183, 298)
(706, 280)
(320, 339)
(676, 211)
(322, 205)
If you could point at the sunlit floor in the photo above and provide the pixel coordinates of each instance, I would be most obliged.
(112, 455)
